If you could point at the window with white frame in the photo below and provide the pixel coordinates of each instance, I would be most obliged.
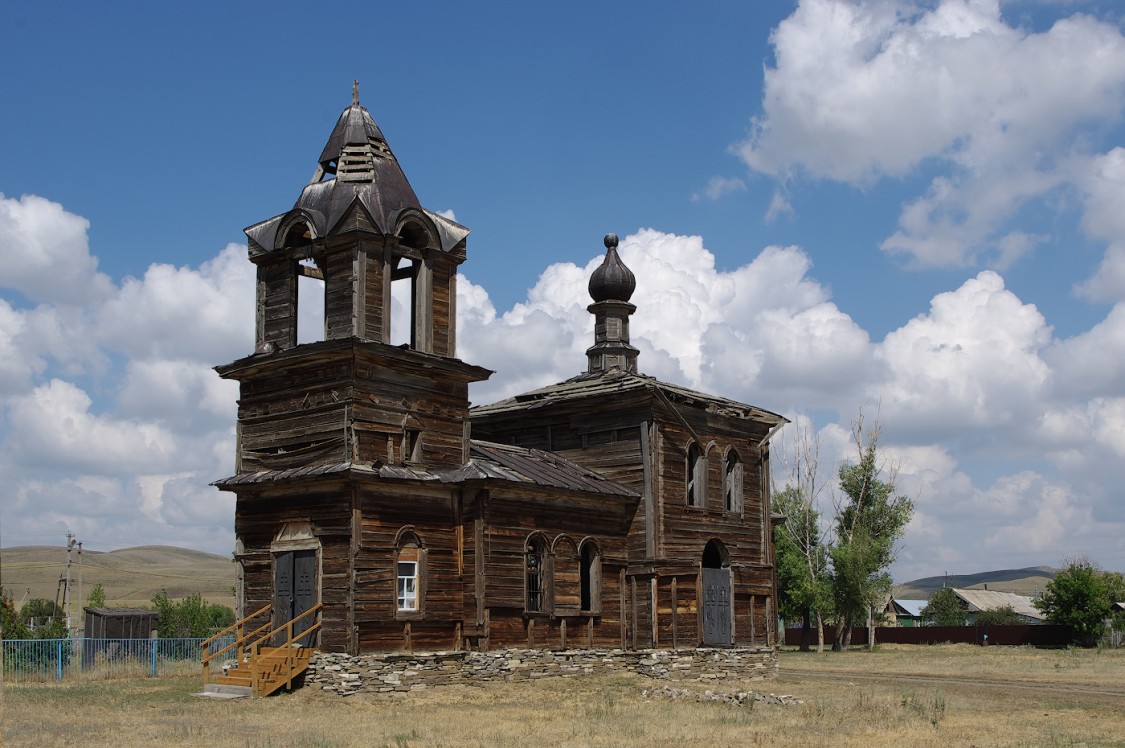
(408, 585)
(410, 575)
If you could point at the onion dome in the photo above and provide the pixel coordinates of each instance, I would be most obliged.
(612, 281)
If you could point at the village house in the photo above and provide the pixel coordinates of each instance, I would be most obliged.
(609, 510)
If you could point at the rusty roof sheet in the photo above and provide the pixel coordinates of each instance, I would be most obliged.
(618, 382)
(487, 461)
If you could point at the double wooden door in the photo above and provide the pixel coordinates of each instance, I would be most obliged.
(294, 590)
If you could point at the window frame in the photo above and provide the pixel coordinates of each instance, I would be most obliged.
(590, 578)
(536, 546)
(734, 486)
(402, 595)
(695, 479)
(409, 548)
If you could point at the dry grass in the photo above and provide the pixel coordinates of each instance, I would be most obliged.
(872, 711)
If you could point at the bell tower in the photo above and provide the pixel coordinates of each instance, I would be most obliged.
(383, 386)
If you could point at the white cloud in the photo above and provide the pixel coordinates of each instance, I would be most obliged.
(204, 314)
(972, 363)
(866, 91)
(719, 187)
(44, 253)
(1103, 183)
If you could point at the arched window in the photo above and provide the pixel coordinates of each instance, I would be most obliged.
(696, 476)
(591, 578)
(566, 591)
(410, 574)
(535, 561)
(410, 288)
(732, 482)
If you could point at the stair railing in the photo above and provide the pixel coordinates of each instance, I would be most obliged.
(241, 636)
(255, 647)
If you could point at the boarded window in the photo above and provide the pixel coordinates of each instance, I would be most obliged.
(567, 574)
(591, 579)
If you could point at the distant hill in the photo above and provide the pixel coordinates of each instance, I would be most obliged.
(129, 576)
(1029, 582)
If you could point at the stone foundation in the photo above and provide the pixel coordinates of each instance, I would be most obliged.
(383, 673)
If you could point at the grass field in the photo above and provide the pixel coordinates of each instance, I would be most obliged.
(948, 695)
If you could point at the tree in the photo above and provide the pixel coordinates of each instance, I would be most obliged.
(801, 543)
(190, 617)
(1115, 587)
(802, 561)
(96, 598)
(870, 518)
(1077, 597)
(945, 608)
(1003, 616)
(43, 619)
(11, 626)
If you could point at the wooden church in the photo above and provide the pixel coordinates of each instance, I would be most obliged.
(610, 510)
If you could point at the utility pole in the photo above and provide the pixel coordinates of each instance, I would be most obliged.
(70, 541)
(81, 600)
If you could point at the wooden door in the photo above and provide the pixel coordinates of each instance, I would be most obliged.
(716, 607)
(295, 591)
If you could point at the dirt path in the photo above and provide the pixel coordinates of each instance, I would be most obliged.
(1080, 692)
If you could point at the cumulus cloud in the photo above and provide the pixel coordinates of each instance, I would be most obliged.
(113, 422)
(45, 255)
(867, 91)
(1103, 183)
(973, 362)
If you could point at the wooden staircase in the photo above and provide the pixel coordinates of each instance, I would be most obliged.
(261, 668)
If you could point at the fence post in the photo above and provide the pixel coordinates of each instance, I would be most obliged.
(58, 652)
(155, 643)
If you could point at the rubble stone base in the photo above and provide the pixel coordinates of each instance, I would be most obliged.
(384, 673)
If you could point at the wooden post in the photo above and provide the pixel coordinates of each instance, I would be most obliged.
(530, 632)
(487, 630)
(654, 605)
(457, 637)
(753, 626)
(633, 596)
(675, 615)
(621, 605)
(406, 638)
(590, 632)
(562, 632)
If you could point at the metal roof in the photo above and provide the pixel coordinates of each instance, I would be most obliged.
(378, 184)
(979, 600)
(618, 382)
(487, 461)
(911, 608)
(522, 465)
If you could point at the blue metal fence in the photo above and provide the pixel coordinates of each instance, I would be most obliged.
(96, 659)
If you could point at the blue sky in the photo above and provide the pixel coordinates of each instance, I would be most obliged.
(911, 208)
